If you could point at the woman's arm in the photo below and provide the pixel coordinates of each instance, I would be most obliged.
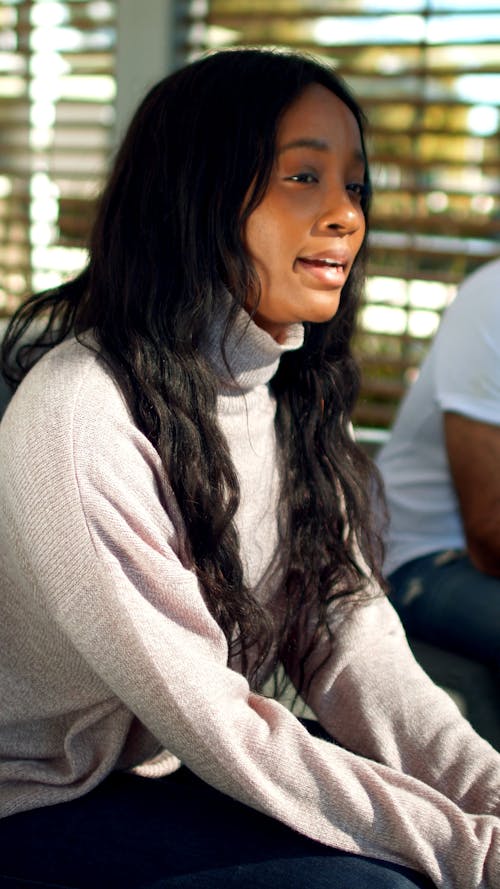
(376, 700)
(473, 450)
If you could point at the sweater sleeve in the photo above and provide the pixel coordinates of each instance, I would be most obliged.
(109, 567)
(373, 697)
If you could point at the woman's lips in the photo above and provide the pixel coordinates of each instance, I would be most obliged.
(333, 275)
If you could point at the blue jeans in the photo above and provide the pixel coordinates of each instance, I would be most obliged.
(445, 602)
(174, 833)
(443, 599)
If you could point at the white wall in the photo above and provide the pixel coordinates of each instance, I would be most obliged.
(145, 52)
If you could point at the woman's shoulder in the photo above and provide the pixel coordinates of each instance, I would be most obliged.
(67, 412)
(69, 381)
(68, 429)
(67, 367)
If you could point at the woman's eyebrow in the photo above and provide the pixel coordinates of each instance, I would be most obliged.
(318, 144)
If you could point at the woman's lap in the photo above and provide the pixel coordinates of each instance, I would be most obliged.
(336, 871)
(174, 833)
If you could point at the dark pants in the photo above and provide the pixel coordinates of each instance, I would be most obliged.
(174, 833)
(444, 600)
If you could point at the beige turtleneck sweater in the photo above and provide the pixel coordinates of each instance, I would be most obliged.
(108, 653)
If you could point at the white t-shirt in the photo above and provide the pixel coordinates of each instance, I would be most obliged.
(461, 373)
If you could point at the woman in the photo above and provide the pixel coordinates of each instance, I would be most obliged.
(184, 511)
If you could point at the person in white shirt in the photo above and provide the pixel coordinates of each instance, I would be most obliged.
(441, 469)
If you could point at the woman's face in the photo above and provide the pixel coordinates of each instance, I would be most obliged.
(306, 232)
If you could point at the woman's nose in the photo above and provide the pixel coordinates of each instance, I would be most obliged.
(342, 213)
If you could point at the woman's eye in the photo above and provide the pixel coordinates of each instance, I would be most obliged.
(304, 178)
(359, 189)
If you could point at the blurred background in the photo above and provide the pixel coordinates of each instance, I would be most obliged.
(427, 72)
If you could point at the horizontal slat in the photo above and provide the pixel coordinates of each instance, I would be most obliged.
(262, 11)
(77, 61)
(314, 8)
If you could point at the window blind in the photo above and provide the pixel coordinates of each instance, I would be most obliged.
(57, 90)
(427, 73)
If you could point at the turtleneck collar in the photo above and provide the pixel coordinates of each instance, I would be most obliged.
(252, 354)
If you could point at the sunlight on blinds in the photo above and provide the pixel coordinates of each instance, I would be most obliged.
(57, 89)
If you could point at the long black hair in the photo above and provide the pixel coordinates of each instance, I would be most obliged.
(166, 247)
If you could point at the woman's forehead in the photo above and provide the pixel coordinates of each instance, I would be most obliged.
(319, 119)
